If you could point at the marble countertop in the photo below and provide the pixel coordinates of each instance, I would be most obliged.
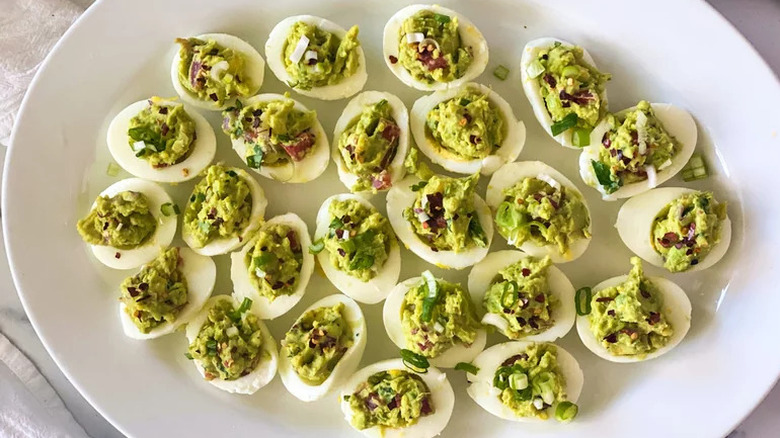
(758, 20)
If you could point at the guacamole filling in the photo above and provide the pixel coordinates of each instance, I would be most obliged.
(317, 341)
(535, 211)
(157, 293)
(161, 134)
(467, 126)
(430, 48)
(531, 382)
(274, 262)
(368, 146)
(685, 231)
(359, 239)
(635, 144)
(628, 318)
(434, 321)
(211, 71)
(122, 221)
(520, 294)
(314, 57)
(444, 216)
(414, 166)
(229, 344)
(390, 399)
(219, 207)
(275, 132)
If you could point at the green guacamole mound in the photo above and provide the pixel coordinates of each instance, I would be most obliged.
(444, 216)
(157, 293)
(521, 295)
(369, 145)
(535, 211)
(219, 207)
(685, 231)
(467, 126)
(359, 239)
(275, 260)
(537, 380)
(453, 318)
(122, 221)
(336, 59)
(228, 346)
(390, 399)
(414, 166)
(317, 341)
(275, 132)
(628, 319)
(167, 132)
(211, 71)
(441, 56)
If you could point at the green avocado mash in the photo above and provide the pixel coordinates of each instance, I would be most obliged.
(274, 262)
(444, 216)
(440, 56)
(433, 324)
(333, 60)
(219, 207)
(275, 132)
(685, 231)
(317, 341)
(467, 126)
(122, 221)
(628, 319)
(531, 382)
(418, 168)
(359, 239)
(520, 294)
(390, 399)
(535, 211)
(161, 134)
(368, 146)
(157, 293)
(212, 72)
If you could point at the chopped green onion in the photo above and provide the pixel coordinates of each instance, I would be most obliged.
(232, 173)
(200, 197)
(264, 259)
(518, 381)
(317, 247)
(566, 411)
(564, 124)
(417, 187)
(570, 71)
(414, 361)
(245, 305)
(441, 18)
(140, 153)
(464, 102)
(510, 292)
(361, 261)
(346, 398)
(507, 216)
(169, 209)
(113, 169)
(580, 137)
(255, 161)
(695, 169)
(467, 367)
(501, 72)
(188, 356)
(211, 344)
(582, 300)
(604, 176)
(534, 69)
(433, 296)
(476, 232)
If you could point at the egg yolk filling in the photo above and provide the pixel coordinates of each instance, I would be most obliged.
(325, 60)
(161, 134)
(544, 214)
(392, 399)
(122, 221)
(628, 319)
(430, 48)
(317, 341)
(274, 262)
(219, 207)
(466, 127)
(369, 145)
(211, 71)
(685, 231)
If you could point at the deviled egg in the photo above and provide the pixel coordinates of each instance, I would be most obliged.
(210, 71)
(675, 228)
(540, 211)
(129, 223)
(323, 348)
(435, 319)
(631, 318)
(638, 149)
(430, 47)
(371, 141)
(442, 220)
(317, 57)
(166, 293)
(224, 209)
(357, 249)
(527, 382)
(468, 129)
(524, 297)
(567, 92)
(274, 267)
(231, 347)
(277, 137)
(388, 400)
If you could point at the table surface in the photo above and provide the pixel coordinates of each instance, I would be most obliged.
(759, 22)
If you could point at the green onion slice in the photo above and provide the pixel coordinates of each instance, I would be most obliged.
(112, 169)
(534, 69)
(169, 209)
(433, 296)
(245, 305)
(564, 124)
(441, 18)
(509, 297)
(317, 247)
(501, 72)
(414, 361)
(467, 367)
(580, 137)
(582, 300)
(566, 411)
(695, 169)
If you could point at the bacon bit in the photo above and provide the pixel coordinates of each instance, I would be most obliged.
(427, 59)
(654, 318)
(425, 409)
(393, 59)
(630, 333)
(212, 213)
(611, 338)
(293, 240)
(538, 197)
(511, 360)
(381, 181)
(342, 252)
(611, 312)
(606, 141)
(580, 98)
(370, 404)
(553, 203)
(550, 80)
(297, 150)
(214, 97)
(132, 291)
(144, 287)
(117, 255)
(195, 68)
(391, 132)
(436, 201)
(277, 285)
(521, 321)
(634, 138)
(612, 152)
(644, 294)
(164, 128)
(526, 272)
(668, 239)
(395, 402)
(539, 298)
(694, 262)
(604, 299)
(532, 323)
(163, 110)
